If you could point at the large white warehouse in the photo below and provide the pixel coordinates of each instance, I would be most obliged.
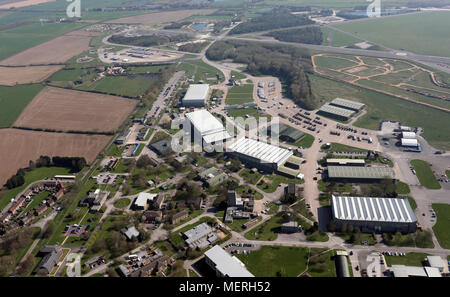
(206, 127)
(374, 214)
(409, 142)
(259, 154)
(196, 95)
(409, 135)
(224, 264)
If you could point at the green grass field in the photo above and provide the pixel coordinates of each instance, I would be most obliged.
(425, 175)
(337, 38)
(122, 203)
(402, 188)
(410, 259)
(31, 176)
(447, 172)
(337, 147)
(442, 226)
(412, 202)
(306, 141)
(13, 100)
(271, 261)
(240, 95)
(425, 33)
(270, 183)
(249, 176)
(131, 86)
(201, 71)
(21, 38)
(381, 107)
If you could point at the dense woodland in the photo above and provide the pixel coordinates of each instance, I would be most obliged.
(285, 62)
(193, 47)
(310, 35)
(148, 40)
(272, 20)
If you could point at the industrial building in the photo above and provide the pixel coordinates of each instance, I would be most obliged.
(196, 95)
(347, 104)
(122, 139)
(266, 157)
(285, 132)
(414, 271)
(335, 112)
(206, 127)
(224, 264)
(409, 142)
(408, 135)
(360, 173)
(372, 214)
(346, 162)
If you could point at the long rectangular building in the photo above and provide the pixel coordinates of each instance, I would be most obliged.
(360, 173)
(224, 264)
(348, 104)
(207, 127)
(374, 214)
(353, 162)
(259, 154)
(336, 112)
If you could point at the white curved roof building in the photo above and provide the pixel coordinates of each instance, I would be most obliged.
(208, 127)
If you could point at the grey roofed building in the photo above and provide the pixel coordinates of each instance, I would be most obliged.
(355, 172)
(130, 232)
(336, 112)
(286, 132)
(354, 162)
(348, 104)
(50, 259)
(200, 236)
(290, 227)
(224, 264)
(212, 176)
(196, 95)
(437, 262)
(372, 214)
(259, 154)
(414, 271)
(162, 147)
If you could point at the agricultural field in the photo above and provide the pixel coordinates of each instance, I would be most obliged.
(36, 44)
(239, 95)
(13, 100)
(162, 17)
(65, 110)
(18, 147)
(130, 86)
(382, 107)
(411, 32)
(18, 4)
(10, 76)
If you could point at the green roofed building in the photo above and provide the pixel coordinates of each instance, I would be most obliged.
(348, 104)
(360, 173)
(286, 133)
(336, 112)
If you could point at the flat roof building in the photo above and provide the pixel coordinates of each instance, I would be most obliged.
(374, 214)
(336, 112)
(409, 142)
(354, 162)
(360, 173)
(437, 262)
(207, 127)
(259, 154)
(142, 200)
(414, 271)
(409, 135)
(347, 104)
(196, 95)
(224, 264)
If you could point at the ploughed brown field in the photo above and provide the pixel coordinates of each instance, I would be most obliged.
(162, 17)
(68, 110)
(10, 76)
(18, 147)
(55, 51)
(7, 4)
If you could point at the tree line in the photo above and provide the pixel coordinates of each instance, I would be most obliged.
(310, 35)
(75, 164)
(148, 40)
(288, 63)
(275, 19)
